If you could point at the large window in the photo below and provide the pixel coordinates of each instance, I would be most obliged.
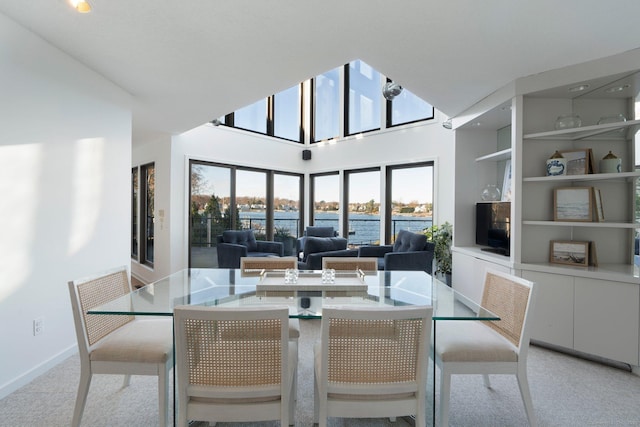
(226, 197)
(363, 206)
(343, 101)
(326, 105)
(407, 108)
(363, 98)
(252, 117)
(287, 114)
(147, 191)
(251, 200)
(409, 198)
(287, 196)
(325, 200)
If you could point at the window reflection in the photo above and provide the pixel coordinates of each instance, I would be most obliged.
(286, 114)
(364, 98)
(252, 117)
(407, 108)
(326, 105)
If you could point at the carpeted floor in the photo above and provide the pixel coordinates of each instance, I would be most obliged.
(567, 391)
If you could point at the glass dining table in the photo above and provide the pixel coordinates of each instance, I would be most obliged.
(305, 296)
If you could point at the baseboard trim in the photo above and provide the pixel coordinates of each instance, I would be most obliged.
(24, 379)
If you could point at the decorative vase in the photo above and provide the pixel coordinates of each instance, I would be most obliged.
(556, 164)
(610, 164)
(490, 193)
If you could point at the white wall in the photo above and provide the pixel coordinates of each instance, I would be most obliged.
(413, 143)
(65, 157)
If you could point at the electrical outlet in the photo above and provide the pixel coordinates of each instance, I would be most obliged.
(38, 326)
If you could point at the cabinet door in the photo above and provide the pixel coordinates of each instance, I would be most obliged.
(552, 318)
(468, 275)
(607, 321)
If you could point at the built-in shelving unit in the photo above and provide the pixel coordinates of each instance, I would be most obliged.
(595, 309)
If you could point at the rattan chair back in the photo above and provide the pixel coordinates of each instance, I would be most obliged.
(255, 265)
(509, 300)
(366, 264)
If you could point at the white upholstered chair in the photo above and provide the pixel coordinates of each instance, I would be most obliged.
(489, 347)
(118, 344)
(372, 363)
(366, 264)
(234, 364)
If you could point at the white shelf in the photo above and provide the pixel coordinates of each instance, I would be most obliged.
(496, 157)
(627, 273)
(590, 177)
(603, 224)
(583, 132)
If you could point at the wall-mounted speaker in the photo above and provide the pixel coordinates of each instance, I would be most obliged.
(306, 154)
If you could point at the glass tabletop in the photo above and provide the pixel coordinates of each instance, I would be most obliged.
(234, 288)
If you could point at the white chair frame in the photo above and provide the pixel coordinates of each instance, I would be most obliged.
(364, 393)
(118, 344)
(215, 395)
(457, 341)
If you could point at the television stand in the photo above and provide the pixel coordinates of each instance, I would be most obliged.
(499, 251)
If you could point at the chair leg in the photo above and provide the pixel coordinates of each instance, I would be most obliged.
(163, 395)
(487, 382)
(316, 399)
(81, 398)
(445, 392)
(523, 383)
(127, 381)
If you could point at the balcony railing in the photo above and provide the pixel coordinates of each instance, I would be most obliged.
(362, 231)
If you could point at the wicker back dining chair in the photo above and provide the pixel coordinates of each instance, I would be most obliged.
(366, 264)
(118, 344)
(234, 364)
(372, 362)
(256, 265)
(491, 347)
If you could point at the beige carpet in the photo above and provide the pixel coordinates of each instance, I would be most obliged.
(566, 391)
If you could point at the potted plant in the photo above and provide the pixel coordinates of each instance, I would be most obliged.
(282, 234)
(442, 237)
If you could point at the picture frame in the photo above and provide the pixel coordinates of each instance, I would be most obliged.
(569, 252)
(573, 204)
(579, 162)
(597, 201)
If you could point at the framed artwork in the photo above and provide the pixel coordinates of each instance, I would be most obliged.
(573, 204)
(569, 253)
(597, 200)
(579, 162)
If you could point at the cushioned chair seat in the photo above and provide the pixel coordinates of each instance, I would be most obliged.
(489, 346)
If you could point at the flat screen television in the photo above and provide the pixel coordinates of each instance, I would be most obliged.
(493, 226)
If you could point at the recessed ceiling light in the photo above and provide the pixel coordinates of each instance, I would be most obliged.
(81, 6)
(578, 88)
(617, 88)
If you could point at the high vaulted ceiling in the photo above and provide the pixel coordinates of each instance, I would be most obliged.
(187, 62)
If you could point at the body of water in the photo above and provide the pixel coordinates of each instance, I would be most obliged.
(363, 228)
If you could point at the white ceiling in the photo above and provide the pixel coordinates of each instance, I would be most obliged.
(187, 62)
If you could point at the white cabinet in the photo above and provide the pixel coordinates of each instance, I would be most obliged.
(607, 319)
(553, 317)
(471, 265)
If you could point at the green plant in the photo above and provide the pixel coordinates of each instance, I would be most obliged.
(442, 236)
(282, 232)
